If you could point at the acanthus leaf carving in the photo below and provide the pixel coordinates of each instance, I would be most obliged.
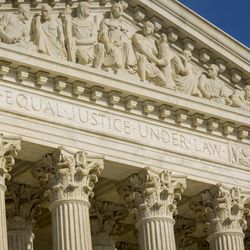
(68, 175)
(150, 194)
(225, 209)
(9, 148)
(106, 222)
(23, 206)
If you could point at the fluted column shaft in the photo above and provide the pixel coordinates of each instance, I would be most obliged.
(69, 178)
(20, 240)
(152, 198)
(9, 146)
(71, 225)
(156, 234)
(227, 241)
(3, 226)
(226, 214)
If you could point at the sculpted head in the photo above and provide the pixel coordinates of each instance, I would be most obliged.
(213, 71)
(46, 11)
(148, 28)
(117, 9)
(24, 12)
(187, 54)
(247, 92)
(83, 9)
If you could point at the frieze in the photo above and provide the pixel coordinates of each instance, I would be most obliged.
(109, 42)
(121, 126)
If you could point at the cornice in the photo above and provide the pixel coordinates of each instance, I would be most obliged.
(122, 93)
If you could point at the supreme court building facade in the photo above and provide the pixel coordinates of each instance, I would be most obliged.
(124, 126)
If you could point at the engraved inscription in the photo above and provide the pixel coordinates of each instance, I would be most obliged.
(113, 125)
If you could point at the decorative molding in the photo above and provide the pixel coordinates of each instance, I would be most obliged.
(225, 209)
(149, 194)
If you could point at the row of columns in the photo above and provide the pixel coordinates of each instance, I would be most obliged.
(67, 179)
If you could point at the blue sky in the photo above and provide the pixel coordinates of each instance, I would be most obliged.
(229, 15)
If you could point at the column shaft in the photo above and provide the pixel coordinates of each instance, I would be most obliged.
(20, 240)
(227, 241)
(71, 226)
(157, 234)
(3, 226)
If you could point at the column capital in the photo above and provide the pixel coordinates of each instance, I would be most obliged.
(127, 246)
(9, 147)
(106, 222)
(225, 209)
(23, 206)
(151, 194)
(68, 174)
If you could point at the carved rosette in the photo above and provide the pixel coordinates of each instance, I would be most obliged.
(68, 175)
(150, 194)
(106, 223)
(225, 210)
(9, 147)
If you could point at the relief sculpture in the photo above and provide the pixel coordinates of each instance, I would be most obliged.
(119, 53)
(152, 60)
(15, 28)
(105, 41)
(211, 87)
(240, 155)
(48, 34)
(241, 98)
(183, 75)
(81, 35)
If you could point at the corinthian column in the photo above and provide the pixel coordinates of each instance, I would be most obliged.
(9, 146)
(152, 198)
(106, 224)
(22, 211)
(225, 211)
(70, 177)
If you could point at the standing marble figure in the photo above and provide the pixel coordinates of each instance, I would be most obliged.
(48, 34)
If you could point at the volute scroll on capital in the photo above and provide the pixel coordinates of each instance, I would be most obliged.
(67, 174)
(106, 42)
(9, 147)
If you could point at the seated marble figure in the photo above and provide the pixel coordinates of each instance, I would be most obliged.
(15, 28)
(241, 98)
(211, 87)
(81, 35)
(119, 54)
(183, 75)
(152, 58)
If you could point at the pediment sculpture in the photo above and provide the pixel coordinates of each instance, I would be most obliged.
(77, 35)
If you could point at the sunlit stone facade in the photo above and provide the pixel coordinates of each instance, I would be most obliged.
(124, 126)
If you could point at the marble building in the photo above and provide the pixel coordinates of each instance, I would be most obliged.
(124, 125)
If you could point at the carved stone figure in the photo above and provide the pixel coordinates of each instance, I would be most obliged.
(82, 42)
(183, 75)
(119, 53)
(48, 34)
(241, 98)
(15, 28)
(211, 87)
(152, 59)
